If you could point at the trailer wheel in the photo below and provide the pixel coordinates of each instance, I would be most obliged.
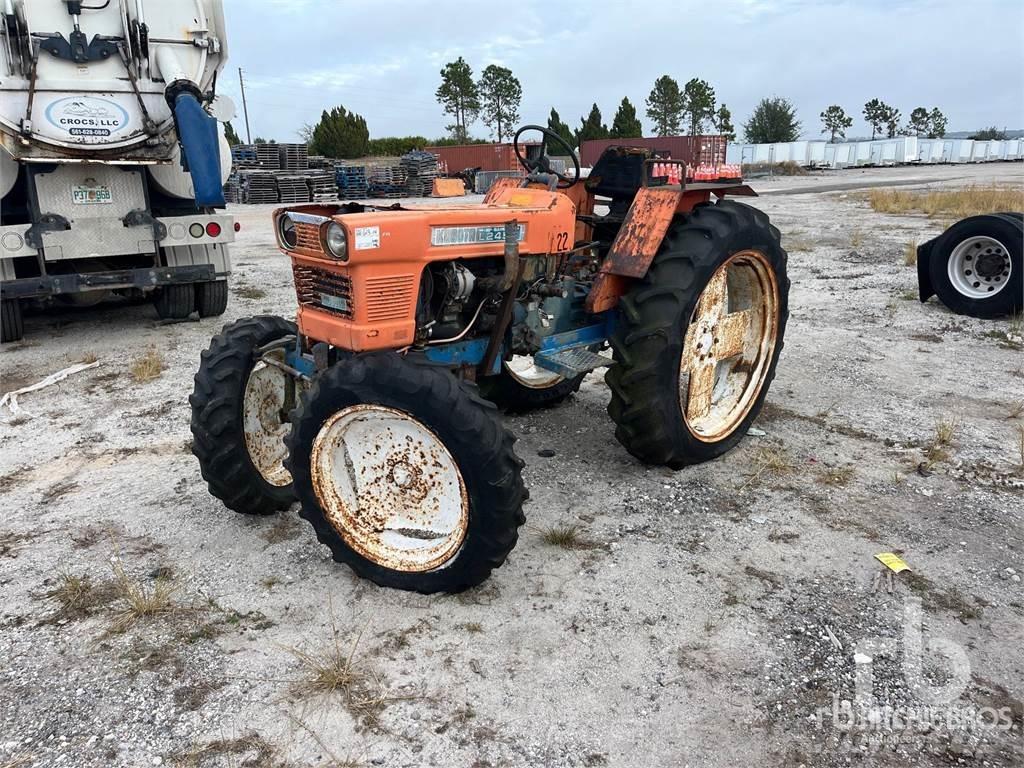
(977, 268)
(212, 298)
(240, 419)
(12, 326)
(175, 302)
(406, 474)
(700, 337)
(522, 386)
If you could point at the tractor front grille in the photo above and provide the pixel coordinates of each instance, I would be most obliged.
(307, 237)
(323, 290)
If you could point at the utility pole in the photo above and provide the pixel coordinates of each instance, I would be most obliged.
(245, 108)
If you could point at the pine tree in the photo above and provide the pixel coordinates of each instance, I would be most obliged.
(556, 125)
(773, 120)
(500, 94)
(626, 124)
(459, 96)
(340, 134)
(836, 122)
(591, 127)
(665, 106)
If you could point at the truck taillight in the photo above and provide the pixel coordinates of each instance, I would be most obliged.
(213, 229)
(238, 227)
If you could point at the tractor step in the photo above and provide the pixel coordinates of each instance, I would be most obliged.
(571, 362)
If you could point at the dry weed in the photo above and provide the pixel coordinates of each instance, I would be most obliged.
(148, 367)
(910, 254)
(139, 600)
(953, 203)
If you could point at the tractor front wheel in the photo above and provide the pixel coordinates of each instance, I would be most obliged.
(240, 411)
(406, 474)
(700, 337)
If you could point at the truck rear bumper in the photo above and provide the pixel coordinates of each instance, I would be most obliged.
(148, 277)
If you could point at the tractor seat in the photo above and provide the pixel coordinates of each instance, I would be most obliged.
(619, 173)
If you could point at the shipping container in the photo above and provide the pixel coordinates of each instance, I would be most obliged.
(487, 157)
(693, 150)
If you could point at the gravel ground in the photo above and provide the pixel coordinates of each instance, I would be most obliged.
(717, 616)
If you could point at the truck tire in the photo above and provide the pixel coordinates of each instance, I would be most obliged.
(700, 337)
(212, 298)
(406, 474)
(12, 326)
(522, 387)
(175, 302)
(977, 267)
(237, 425)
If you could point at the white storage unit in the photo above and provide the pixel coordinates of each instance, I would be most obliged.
(816, 152)
(979, 152)
(840, 155)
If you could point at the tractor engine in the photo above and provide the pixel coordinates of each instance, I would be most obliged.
(371, 278)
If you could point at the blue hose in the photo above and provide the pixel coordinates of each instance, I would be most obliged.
(197, 132)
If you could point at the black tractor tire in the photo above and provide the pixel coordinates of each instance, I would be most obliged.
(1008, 230)
(218, 436)
(212, 298)
(12, 325)
(655, 315)
(175, 302)
(510, 394)
(470, 428)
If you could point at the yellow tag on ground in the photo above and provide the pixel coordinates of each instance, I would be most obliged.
(892, 562)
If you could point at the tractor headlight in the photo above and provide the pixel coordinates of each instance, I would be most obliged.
(335, 241)
(286, 231)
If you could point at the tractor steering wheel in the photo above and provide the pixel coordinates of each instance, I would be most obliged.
(543, 163)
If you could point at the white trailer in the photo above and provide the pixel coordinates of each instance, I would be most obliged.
(111, 160)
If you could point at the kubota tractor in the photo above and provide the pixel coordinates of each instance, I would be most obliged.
(378, 408)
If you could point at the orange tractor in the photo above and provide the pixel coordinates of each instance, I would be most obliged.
(379, 408)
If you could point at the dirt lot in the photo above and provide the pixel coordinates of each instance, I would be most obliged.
(708, 617)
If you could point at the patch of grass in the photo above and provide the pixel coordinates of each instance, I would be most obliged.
(1016, 410)
(910, 254)
(11, 542)
(58, 490)
(1020, 446)
(78, 596)
(148, 367)
(335, 670)
(285, 529)
(783, 537)
(788, 168)
(770, 461)
(256, 751)
(22, 760)
(798, 245)
(564, 536)
(87, 358)
(856, 238)
(910, 295)
(249, 292)
(938, 449)
(953, 203)
(139, 600)
(473, 627)
(270, 582)
(937, 599)
(839, 476)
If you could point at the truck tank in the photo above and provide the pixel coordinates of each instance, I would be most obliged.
(112, 160)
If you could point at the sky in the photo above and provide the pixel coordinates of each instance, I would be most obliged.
(382, 58)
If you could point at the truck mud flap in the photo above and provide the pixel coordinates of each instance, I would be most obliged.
(53, 285)
(924, 277)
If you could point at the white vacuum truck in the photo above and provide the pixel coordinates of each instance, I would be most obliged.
(112, 162)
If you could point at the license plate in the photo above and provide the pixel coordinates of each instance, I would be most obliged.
(338, 303)
(91, 195)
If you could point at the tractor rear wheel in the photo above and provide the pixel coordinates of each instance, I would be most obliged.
(240, 417)
(406, 474)
(700, 337)
(522, 386)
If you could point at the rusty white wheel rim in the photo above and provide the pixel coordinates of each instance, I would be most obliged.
(529, 374)
(729, 346)
(390, 488)
(263, 424)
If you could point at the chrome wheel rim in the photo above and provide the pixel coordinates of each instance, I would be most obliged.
(263, 421)
(979, 267)
(729, 345)
(390, 488)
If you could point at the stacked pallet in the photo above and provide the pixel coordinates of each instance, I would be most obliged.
(267, 156)
(319, 161)
(322, 187)
(233, 189)
(421, 170)
(259, 187)
(387, 181)
(292, 188)
(293, 157)
(351, 181)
